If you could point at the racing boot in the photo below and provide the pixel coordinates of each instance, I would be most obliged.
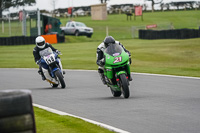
(41, 73)
(102, 76)
(63, 72)
(43, 77)
(130, 78)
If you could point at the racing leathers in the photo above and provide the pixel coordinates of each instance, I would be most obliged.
(37, 57)
(36, 51)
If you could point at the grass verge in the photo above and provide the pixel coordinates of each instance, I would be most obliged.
(172, 57)
(47, 122)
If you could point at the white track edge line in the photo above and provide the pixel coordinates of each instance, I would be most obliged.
(111, 128)
(148, 74)
(162, 75)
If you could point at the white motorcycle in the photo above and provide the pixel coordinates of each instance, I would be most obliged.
(52, 67)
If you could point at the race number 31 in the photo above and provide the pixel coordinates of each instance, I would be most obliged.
(117, 59)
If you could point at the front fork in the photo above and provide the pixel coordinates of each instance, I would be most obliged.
(118, 80)
(54, 67)
(108, 71)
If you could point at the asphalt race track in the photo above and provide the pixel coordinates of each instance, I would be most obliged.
(157, 104)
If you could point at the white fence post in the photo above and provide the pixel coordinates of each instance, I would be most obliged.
(9, 25)
(107, 31)
(2, 26)
(24, 23)
(38, 22)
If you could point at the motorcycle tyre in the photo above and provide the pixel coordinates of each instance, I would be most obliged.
(124, 85)
(116, 93)
(60, 78)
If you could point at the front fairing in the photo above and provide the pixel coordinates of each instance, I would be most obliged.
(45, 52)
(53, 65)
(45, 65)
(116, 60)
(115, 55)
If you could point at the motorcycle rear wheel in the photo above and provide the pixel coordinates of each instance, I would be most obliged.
(60, 78)
(124, 85)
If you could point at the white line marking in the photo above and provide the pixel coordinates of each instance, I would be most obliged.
(161, 75)
(88, 120)
(148, 74)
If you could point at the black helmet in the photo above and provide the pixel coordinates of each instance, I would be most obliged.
(109, 40)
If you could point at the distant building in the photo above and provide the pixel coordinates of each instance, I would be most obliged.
(99, 12)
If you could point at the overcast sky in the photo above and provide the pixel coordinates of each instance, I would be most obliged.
(48, 4)
(42, 4)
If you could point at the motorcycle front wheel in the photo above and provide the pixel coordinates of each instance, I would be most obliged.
(124, 85)
(60, 78)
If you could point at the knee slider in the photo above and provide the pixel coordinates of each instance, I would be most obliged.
(100, 70)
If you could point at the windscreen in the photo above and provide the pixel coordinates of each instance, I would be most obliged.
(78, 24)
(46, 52)
(114, 50)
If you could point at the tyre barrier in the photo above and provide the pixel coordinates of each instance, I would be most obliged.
(60, 38)
(23, 40)
(16, 112)
(169, 34)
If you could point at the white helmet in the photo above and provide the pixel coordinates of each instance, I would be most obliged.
(40, 42)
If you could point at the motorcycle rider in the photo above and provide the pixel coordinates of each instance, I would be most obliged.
(41, 45)
(100, 55)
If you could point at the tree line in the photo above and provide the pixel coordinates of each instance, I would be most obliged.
(6, 4)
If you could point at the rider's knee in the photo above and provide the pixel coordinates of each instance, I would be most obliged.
(100, 70)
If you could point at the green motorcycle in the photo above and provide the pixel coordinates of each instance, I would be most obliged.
(117, 70)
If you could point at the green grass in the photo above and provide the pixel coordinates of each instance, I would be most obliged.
(15, 27)
(46, 123)
(173, 57)
(120, 28)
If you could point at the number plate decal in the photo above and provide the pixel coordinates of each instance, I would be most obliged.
(49, 59)
(117, 59)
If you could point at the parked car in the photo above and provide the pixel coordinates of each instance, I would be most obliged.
(77, 29)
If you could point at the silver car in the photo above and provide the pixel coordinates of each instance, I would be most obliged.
(77, 29)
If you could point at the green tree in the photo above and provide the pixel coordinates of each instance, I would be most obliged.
(6, 4)
(153, 2)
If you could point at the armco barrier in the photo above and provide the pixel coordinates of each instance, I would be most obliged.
(169, 34)
(22, 40)
(16, 112)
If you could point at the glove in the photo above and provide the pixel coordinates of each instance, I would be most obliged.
(130, 61)
(58, 52)
(128, 53)
(38, 62)
(101, 62)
